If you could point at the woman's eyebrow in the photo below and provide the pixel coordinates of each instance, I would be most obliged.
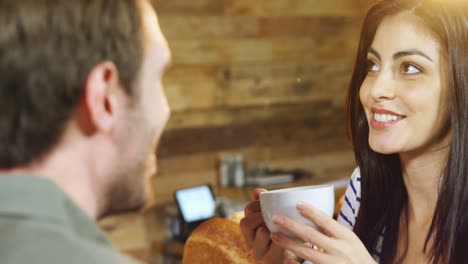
(403, 53)
(410, 53)
(375, 53)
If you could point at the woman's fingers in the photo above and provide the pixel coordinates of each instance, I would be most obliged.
(253, 207)
(292, 261)
(323, 221)
(253, 227)
(249, 226)
(304, 232)
(262, 242)
(256, 193)
(300, 249)
(339, 244)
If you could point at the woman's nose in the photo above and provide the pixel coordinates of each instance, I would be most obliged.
(384, 87)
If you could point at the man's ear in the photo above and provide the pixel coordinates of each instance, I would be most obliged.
(100, 96)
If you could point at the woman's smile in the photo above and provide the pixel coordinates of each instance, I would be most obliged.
(381, 118)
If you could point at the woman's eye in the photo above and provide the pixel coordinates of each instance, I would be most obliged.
(372, 66)
(408, 68)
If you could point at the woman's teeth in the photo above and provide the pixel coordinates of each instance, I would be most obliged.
(384, 118)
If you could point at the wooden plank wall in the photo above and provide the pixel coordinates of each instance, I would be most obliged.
(266, 78)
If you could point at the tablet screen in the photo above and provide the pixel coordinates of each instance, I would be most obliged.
(196, 203)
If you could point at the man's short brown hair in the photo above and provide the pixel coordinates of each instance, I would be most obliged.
(47, 49)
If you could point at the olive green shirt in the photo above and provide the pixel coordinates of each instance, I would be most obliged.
(40, 224)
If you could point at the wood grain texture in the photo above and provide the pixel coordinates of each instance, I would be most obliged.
(282, 83)
(254, 154)
(190, 27)
(274, 50)
(245, 115)
(204, 139)
(262, 7)
(191, 88)
(188, 7)
(209, 139)
(292, 7)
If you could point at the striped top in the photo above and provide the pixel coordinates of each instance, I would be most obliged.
(350, 209)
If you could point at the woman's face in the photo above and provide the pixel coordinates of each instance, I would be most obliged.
(405, 94)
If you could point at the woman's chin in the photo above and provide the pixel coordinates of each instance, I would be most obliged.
(383, 148)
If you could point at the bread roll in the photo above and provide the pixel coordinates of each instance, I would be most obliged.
(218, 241)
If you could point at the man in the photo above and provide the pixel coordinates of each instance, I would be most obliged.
(81, 110)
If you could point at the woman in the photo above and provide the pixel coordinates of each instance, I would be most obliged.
(407, 116)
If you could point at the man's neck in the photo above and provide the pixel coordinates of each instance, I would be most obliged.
(66, 171)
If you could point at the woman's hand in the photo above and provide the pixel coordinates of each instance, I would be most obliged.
(339, 244)
(257, 235)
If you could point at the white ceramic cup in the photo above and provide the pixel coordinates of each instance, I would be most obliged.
(284, 201)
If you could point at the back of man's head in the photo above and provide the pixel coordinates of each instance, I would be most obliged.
(47, 49)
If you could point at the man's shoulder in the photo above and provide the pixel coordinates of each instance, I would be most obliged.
(25, 241)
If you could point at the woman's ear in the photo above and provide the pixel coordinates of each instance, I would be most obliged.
(100, 97)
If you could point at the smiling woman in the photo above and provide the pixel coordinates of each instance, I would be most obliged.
(407, 110)
(407, 113)
(405, 93)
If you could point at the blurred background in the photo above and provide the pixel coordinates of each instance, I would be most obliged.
(257, 92)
